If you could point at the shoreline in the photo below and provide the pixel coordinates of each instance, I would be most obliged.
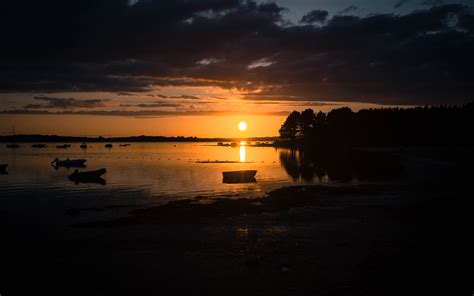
(368, 239)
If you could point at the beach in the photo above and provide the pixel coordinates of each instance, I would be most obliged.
(372, 239)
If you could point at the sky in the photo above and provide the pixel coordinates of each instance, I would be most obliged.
(198, 67)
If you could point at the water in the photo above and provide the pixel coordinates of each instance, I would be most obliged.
(138, 175)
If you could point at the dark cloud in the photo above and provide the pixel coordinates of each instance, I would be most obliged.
(424, 57)
(348, 9)
(185, 97)
(401, 3)
(69, 103)
(432, 2)
(157, 105)
(315, 16)
(144, 113)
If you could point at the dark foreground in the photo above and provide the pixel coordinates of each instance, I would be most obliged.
(396, 239)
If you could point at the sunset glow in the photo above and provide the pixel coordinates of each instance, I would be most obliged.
(237, 147)
(242, 126)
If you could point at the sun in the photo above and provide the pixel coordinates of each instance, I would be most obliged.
(242, 126)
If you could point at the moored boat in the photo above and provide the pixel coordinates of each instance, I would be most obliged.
(65, 146)
(38, 145)
(13, 145)
(109, 145)
(69, 162)
(88, 177)
(245, 176)
(83, 146)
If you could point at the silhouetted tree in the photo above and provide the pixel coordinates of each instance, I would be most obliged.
(292, 126)
(436, 125)
(320, 120)
(308, 121)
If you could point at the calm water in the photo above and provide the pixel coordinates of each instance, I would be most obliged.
(137, 175)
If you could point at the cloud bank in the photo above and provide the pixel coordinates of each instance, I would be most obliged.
(424, 57)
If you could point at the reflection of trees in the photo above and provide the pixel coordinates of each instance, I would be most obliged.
(301, 165)
(339, 166)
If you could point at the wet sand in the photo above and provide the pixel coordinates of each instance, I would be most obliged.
(373, 239)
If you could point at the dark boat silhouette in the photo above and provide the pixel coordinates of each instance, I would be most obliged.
(246, 176)
(65, 146)
(69, 163)
(83, 146)
(109, 145)
(39, 145)
(3, 167)
(124, 145)
(88, 177)
(13, 145)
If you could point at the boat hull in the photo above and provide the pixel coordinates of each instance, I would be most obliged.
(88, 177)
(80, 163)
(247, 176)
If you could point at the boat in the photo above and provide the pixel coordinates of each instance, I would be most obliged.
(109, 145)
(38, 145)
(234, 144)
(65, 146)
(69, 163)
(88, 177)
(246, 176)
(124, 145)
(83, 146)
(13, 145)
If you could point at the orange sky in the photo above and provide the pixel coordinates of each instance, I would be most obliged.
(199, 126)
(175, 111)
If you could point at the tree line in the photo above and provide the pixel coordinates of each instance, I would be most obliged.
(418, 126)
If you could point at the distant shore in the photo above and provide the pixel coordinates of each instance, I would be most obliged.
(142, 138)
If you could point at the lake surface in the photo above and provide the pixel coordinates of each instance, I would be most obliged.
(138, 175)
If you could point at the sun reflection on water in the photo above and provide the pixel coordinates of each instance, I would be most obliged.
(242, 153)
